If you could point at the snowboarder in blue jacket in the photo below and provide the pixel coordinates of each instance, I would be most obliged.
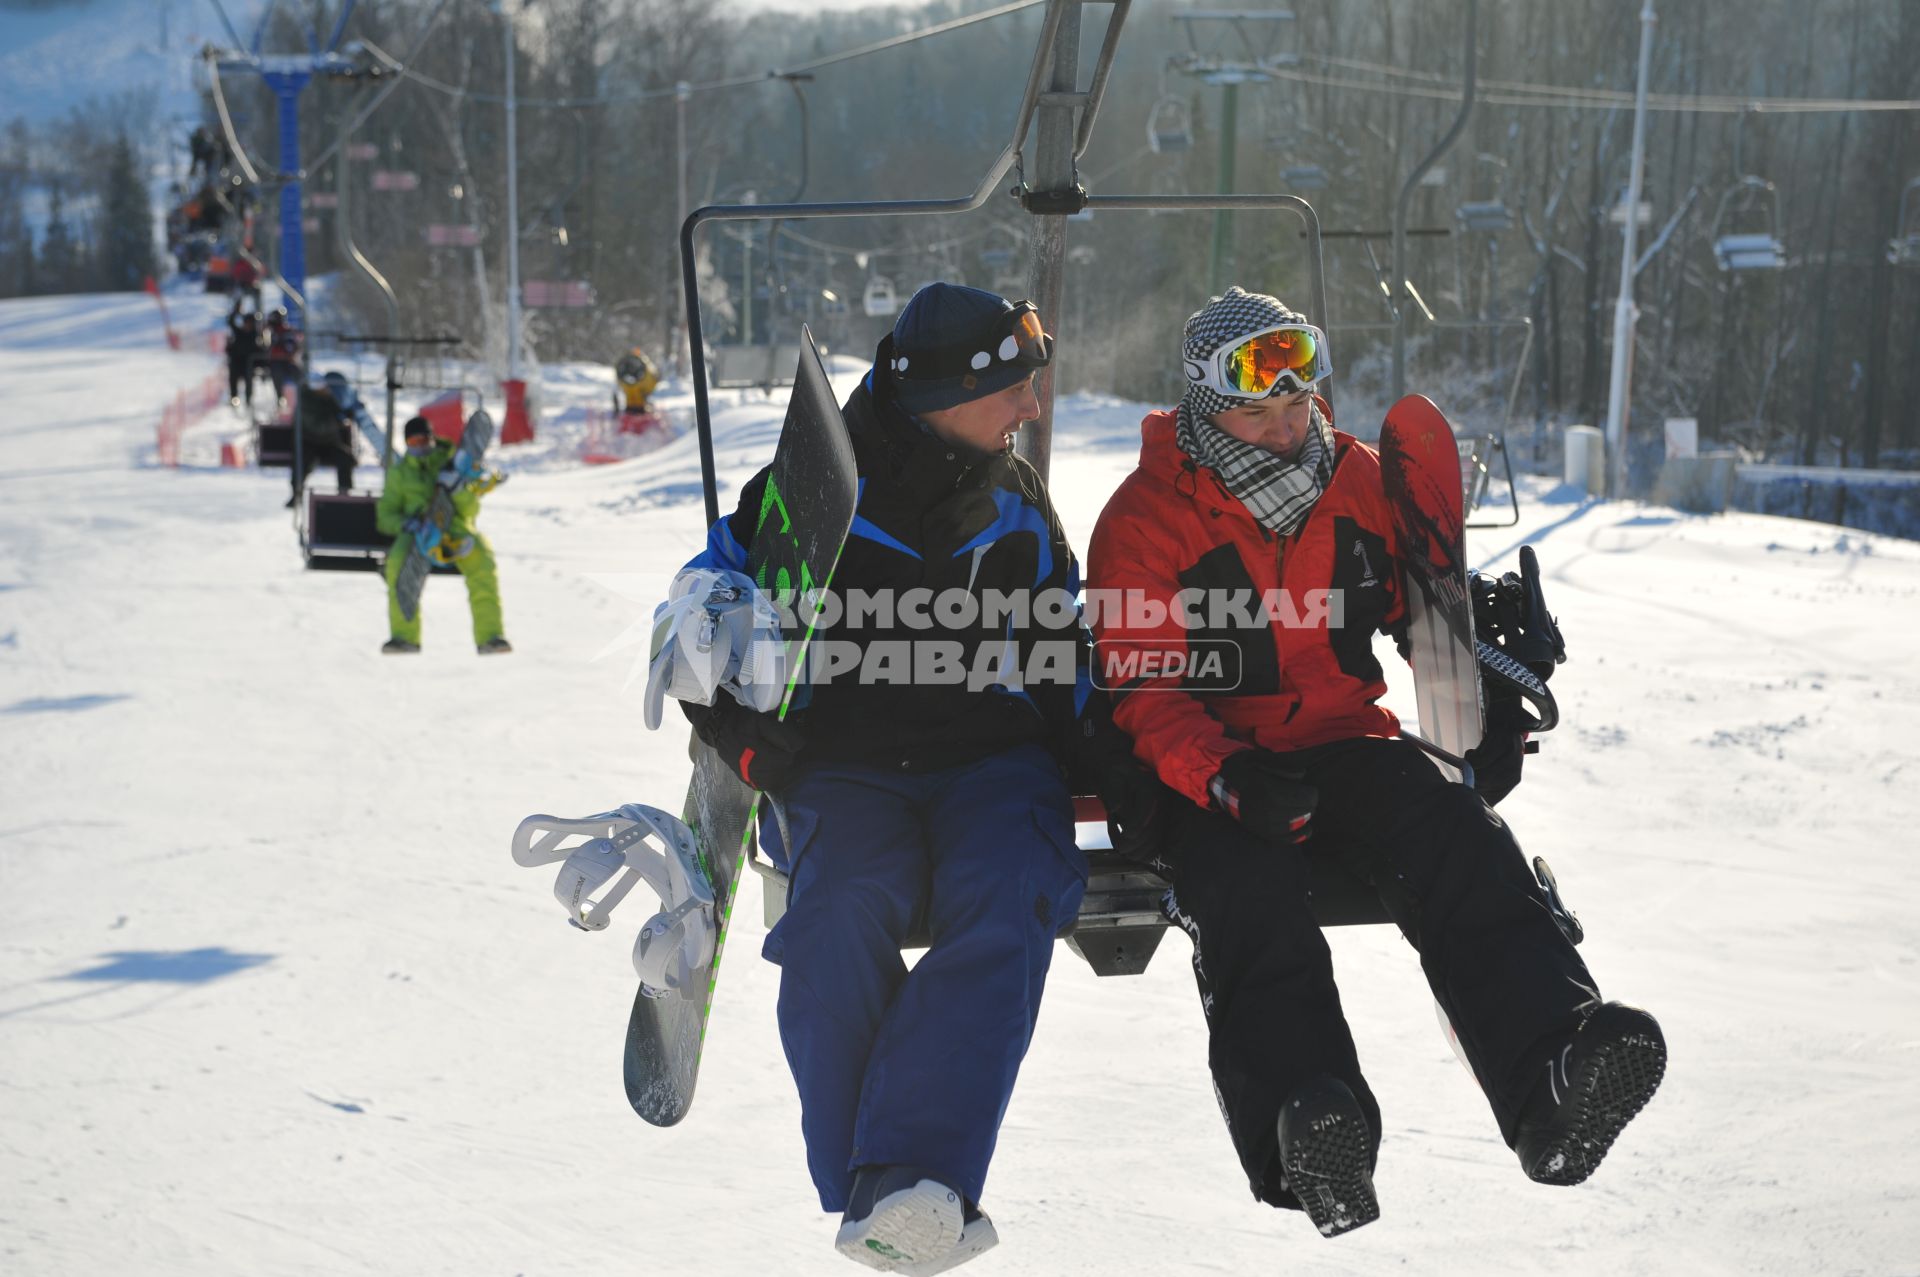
(918, 801)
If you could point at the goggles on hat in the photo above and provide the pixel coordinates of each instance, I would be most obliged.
(1016, 339)
(1287, 357)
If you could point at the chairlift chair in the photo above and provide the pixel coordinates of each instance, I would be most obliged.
(1904, 248)
(1757, 248)
(1169, 128)
(878, 301)
(1487, 216)
(1304, 177)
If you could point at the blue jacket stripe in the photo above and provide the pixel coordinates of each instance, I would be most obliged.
(1015, 515)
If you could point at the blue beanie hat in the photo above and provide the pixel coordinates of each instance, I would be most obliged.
(942, 317)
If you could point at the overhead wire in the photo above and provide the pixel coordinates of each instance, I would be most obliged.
(707, 86)
(1428, 84)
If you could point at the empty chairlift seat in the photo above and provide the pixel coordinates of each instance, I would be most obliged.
(1169, 130)
(342, 534)
(879, 301)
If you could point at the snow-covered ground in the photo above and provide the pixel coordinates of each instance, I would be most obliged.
(274, 999)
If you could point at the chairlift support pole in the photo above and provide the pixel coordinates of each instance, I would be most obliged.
(1406, 199)
(1620, 378)
(513, 199)
(1230, 75)
(689, 280)
(286, 76)
(1054, 175)
(343, 237)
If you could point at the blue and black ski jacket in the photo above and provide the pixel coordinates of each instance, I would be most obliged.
(935, 526)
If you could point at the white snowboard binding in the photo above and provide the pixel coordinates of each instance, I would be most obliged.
(717, 630)
(676, 942)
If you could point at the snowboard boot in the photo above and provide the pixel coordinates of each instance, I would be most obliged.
(398, 647)
(1326, 1155)
(495, 646)
(977, 1237)
(898, 1216)
(1597, 1080)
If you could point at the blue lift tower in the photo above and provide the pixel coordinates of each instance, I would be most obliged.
(286, 74)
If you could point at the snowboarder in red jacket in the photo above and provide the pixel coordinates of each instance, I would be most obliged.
(1265, 539)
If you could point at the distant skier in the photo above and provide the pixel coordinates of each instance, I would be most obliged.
(243, 350)
(638, 380)
(246, 277)
(282, 341)
(936, 803)
(326, 435)
(205, 154)
(1286, 760)
(402, 515)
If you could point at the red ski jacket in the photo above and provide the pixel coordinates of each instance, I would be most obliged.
(1258, 640)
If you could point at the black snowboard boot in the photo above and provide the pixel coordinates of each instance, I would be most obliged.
(1596, 1082)
(1326, 1153)
(399, 647)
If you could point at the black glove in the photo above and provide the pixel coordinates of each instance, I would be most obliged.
(762, 750)
(1136, 803)
(1257, 788)
(1498, 757)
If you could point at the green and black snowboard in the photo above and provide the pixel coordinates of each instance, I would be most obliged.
(803, 520)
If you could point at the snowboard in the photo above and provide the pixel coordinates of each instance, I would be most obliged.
(804, 515)
(1420, 469)
(1421, 472)
(466, 464)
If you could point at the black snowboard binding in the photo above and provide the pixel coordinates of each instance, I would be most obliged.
(1517, 641)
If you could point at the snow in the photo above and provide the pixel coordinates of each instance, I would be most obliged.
(274, 998)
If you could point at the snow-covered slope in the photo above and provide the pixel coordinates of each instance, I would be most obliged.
(274, 999)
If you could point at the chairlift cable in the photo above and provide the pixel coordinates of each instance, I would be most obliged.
(1624, 97)
(1567, 98)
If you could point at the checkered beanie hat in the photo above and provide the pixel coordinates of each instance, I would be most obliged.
(1223, 320)
(1280, 494)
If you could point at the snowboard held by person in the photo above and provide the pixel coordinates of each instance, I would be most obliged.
(1283, 760)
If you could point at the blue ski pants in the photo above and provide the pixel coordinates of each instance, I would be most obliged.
(914, 1068)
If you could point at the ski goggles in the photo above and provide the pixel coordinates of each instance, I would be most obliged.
(1287, 357)
(1016, 339)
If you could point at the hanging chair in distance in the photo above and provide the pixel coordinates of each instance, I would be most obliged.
(1169, 131)
(878, 301)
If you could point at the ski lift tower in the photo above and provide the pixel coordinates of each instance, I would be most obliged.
(286, 75)
(1253, 39)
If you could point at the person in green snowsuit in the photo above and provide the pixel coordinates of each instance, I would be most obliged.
(403, 504)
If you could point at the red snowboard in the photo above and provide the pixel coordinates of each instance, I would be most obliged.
(1421, 468)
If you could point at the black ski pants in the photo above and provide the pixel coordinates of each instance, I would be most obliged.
(240, 376)
(1451, 876)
